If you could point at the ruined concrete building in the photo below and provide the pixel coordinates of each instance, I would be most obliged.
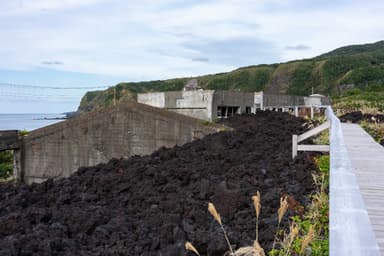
(211, 104)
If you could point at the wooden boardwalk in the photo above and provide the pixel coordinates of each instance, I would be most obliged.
(367, 158)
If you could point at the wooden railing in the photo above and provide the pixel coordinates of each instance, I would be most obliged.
(350, 230)
(296, 139)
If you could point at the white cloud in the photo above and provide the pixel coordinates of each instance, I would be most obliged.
(158, 39)
(27, 7)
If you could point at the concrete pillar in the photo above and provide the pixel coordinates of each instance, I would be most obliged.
(294, 146)
(296, 111)
(18, 164)
(311, 112)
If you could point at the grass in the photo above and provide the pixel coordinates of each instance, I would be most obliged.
(6, 164)
(309, 234)
(376, 130)
(322, 138)
(370, 101)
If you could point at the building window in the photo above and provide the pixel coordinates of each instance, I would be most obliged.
(248, 110)
(226, 111)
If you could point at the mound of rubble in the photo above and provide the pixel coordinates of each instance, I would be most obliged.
(150, 205)
(358, 116)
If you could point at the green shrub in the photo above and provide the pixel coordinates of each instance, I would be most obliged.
(6, 164)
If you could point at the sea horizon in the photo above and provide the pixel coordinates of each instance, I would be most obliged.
(28, 121)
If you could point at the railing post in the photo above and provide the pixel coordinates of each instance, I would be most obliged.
(312, 110)
(294, 146)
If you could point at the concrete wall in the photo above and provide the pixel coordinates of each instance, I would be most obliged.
(9, 139)
(155, 99)
(232, 99)
(197, 104)
(171, 99)
(203, 104)
(274, 100)
(258, 101)
(317, 100)
(122, 131)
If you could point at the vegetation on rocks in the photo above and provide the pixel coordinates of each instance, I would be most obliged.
(369, 101)
(6, 160)
(359, 68)
(308, 233)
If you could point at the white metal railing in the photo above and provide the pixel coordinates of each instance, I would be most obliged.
(296, 139)
(350, 230)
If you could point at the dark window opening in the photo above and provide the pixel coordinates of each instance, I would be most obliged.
(248, 110)
(225, 112)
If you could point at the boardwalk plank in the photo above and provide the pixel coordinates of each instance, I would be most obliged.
(367, 158)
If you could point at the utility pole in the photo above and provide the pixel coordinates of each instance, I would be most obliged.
(114, 96)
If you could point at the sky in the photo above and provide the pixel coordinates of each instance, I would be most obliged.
(53, 51)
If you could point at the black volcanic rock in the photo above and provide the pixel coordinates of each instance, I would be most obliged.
(151, 205)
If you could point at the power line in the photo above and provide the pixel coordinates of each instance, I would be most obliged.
(26, 86)
(50, 93)
(27, 95)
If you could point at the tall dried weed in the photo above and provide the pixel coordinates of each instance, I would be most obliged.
(190, 247)
(257, 204)
(216, 216)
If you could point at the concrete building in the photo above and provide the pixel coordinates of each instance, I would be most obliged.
(210, 104)
(128, 129)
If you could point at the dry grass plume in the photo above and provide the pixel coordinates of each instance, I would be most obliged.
(257, 204)
(308, 238)
(283, 208)
(214, 213)
(216, 216)
(190, 247)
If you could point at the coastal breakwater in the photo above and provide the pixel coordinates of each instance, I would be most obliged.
(122, 131)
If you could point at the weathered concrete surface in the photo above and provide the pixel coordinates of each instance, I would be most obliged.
(155, 99)
(200, 104)
(232, 99)
(197, 104)
(122, 131)
(276, 100)
(271, 100)
(203, 104)
(9, 139)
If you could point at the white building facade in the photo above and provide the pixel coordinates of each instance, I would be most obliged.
(213, 104)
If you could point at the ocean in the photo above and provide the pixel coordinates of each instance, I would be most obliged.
(27, 122)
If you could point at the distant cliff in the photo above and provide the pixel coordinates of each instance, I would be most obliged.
(333, 73)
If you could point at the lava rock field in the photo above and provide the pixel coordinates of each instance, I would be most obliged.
(151, 205)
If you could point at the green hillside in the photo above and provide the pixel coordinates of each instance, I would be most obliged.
(357, 67)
